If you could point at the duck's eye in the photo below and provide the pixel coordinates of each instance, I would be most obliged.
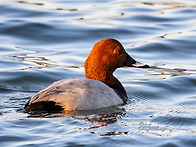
(115, 51)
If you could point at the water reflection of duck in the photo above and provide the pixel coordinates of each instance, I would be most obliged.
(98, 90)
(101, 119)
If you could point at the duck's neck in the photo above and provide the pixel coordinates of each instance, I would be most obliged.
(107, 77)
(99, 74)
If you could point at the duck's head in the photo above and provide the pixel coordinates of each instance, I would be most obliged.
(105, 57)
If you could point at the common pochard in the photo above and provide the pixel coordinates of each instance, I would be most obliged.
(97, 90)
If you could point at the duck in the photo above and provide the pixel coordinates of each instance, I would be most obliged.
(99, 89)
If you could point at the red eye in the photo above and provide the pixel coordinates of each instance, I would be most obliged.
(115, 51)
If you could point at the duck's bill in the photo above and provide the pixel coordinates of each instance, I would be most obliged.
(133, 63)
(140, 65)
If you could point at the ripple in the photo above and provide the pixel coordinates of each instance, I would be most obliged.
(45, 41)
(175, 120)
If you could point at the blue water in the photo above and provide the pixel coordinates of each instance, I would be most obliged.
(44, 41)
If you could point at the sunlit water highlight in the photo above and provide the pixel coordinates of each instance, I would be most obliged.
(48, 40)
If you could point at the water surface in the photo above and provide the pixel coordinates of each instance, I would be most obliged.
(48, 40)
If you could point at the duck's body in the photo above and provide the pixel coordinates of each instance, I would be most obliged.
(98, 90)
(75, 94)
